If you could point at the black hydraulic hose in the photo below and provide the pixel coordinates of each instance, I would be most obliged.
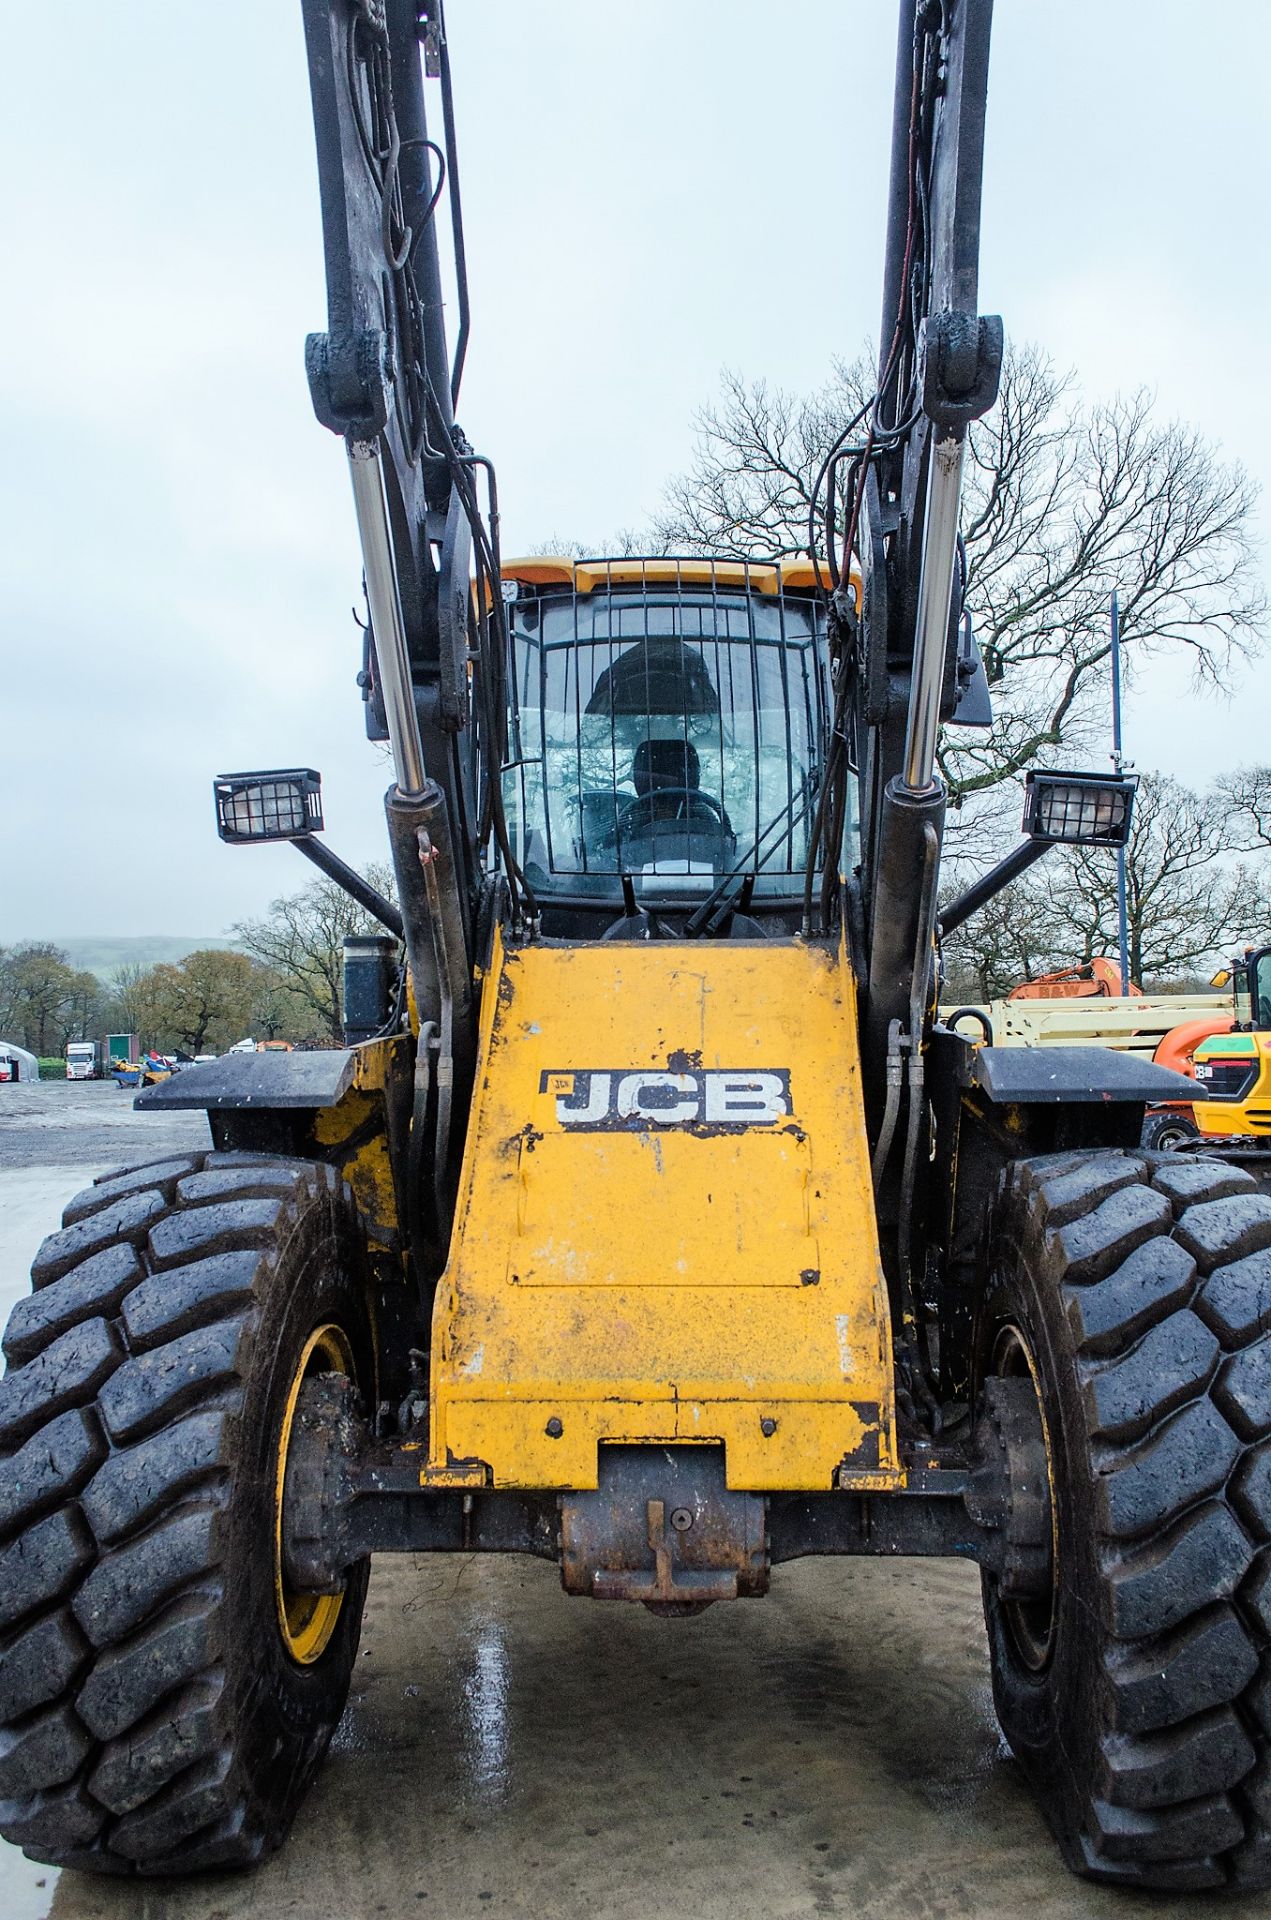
(423, 1224)
(835, 753)
(891, 1112)
(456, 217)
(971, 1013)
(487, 559)
(397, 1018)
(451, 976)
(424, 858)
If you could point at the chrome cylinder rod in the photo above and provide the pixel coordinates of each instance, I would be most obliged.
(931, 628)
(391, 658)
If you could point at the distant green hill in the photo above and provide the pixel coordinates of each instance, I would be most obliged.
(102, 954)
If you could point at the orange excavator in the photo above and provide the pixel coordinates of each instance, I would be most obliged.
(1097, 979)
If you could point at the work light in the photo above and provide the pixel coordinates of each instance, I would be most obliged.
(283, 804)
(1079, 809)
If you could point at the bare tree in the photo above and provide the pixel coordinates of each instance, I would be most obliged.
(1064, 501)
(83, 1005)
(627, 543)
(748, 493)
(130, 1001)
(302, 942)
(276, 1015)
(1012, 939)
(1186, 903)
(1247, 795)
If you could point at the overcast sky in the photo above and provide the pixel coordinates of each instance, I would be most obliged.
(651, 193)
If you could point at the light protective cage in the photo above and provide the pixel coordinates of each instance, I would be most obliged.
(1079, 809)
(278, 804)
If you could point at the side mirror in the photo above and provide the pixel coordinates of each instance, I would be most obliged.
(1222, 978)
(278, 805)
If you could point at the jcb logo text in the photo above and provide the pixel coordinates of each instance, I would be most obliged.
(637, 1099)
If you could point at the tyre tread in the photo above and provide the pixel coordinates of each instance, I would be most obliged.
(118, 1430)
(1162, 1268)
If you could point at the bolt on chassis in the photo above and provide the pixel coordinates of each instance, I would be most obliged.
(648, 1222)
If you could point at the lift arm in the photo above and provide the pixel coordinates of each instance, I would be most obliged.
(381, 376)
(938, 370)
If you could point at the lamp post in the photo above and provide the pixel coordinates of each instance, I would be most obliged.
(1118, 762)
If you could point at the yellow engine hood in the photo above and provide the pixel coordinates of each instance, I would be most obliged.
(666, 1229)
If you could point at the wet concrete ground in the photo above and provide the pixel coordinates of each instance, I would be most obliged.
(49, 1125)
(829, 1750)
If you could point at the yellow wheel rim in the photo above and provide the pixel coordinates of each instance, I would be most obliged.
(306, 1620)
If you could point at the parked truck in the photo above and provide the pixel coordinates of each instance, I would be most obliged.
(82, 1062)
(97, 1059)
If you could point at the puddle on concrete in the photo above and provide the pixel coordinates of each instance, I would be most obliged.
(829, 1750)
(26, 1890)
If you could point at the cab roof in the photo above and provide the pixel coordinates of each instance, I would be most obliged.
(585, 576)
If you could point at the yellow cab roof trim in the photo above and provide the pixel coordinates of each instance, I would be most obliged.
(585, 576)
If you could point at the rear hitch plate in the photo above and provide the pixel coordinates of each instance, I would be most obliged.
(662, 1527)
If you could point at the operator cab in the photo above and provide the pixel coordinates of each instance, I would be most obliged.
(1253, 989)
(666, 723)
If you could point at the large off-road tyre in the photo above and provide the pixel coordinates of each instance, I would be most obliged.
(164, 1698)
(1135, 1289)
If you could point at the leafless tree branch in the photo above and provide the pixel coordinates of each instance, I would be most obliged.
(1065, 501)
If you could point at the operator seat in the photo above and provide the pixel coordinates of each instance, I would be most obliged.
(665, 763)
(664, 774)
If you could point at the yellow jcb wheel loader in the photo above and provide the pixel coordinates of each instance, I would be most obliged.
(1233, 1070)
(649, 1223)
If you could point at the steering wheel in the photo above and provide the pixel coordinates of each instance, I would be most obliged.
(640, 814)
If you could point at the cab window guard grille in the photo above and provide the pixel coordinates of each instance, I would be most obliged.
(664, 727)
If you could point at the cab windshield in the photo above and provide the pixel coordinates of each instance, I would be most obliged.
(663, 734)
